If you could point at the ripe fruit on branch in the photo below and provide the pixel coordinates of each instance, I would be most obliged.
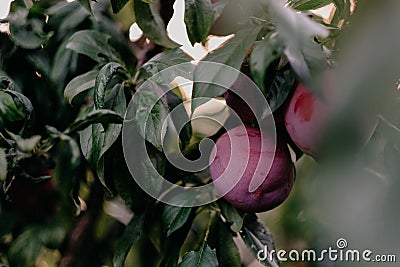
(309, 118)
(246, 152)
(240, 107)
(30, 194)
(245, 108)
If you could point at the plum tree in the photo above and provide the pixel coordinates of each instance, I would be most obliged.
(277, 181)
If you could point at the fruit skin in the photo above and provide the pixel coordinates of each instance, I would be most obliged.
(277, 182)
(242, 86)
(308, 119)
(30, 196)
(240, 107)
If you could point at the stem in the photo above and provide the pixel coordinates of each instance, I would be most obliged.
(81, 236)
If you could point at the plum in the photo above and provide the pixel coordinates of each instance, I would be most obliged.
(243, 151)
(310, 119)
(29, 194)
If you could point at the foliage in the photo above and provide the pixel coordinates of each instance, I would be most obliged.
(67, 75)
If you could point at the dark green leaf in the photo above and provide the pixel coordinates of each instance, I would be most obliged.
(205, 257)
(151, 23)
(266, 52)
(232, 216)
(94, 45)
(165, 60)
(174, 217)
(64, 61)
(23, 104)
(131, 235)
(27, 145)
(86, 4)
(66, 17)
(199, 18)
(227, 251)
(103, 116)
(67, 151)
(115, 101)
(24, 250)
(134, 197)
(6, 83)
(27, 32)
(296, 32)
(8, 108)
(280, 88)
(80, 84)
(92, 140)
(117, 5)
(232, 53)
(3, 165)
(256, 236)
(27, 246)
(146, 161)
(150, 114)
(104, 76)
(310, 4)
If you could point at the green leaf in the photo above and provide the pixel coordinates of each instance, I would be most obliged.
(199, 18)
(6, 83)
(296, 32)
(64, 61)
(94, 45)
(130, 236)
(104, 76)
(165, 60)
(27, 246)
(3, 165)
(232, 53)
(231, 215)
(174, 217)
(98, 136)
(227, 251)
(104, 116)
(23, 106)
(117, 5)
(27, 32)
(151, 23)
(205, 257)
(86, 5)
(256, 236)
(280, 88)
(267, 51)
(150, 114)
(115, 101)
(80, 84)
(303, 5)
(27, 145)
(146, 160)
(92, 140)
(67, 158)
(8, 108)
